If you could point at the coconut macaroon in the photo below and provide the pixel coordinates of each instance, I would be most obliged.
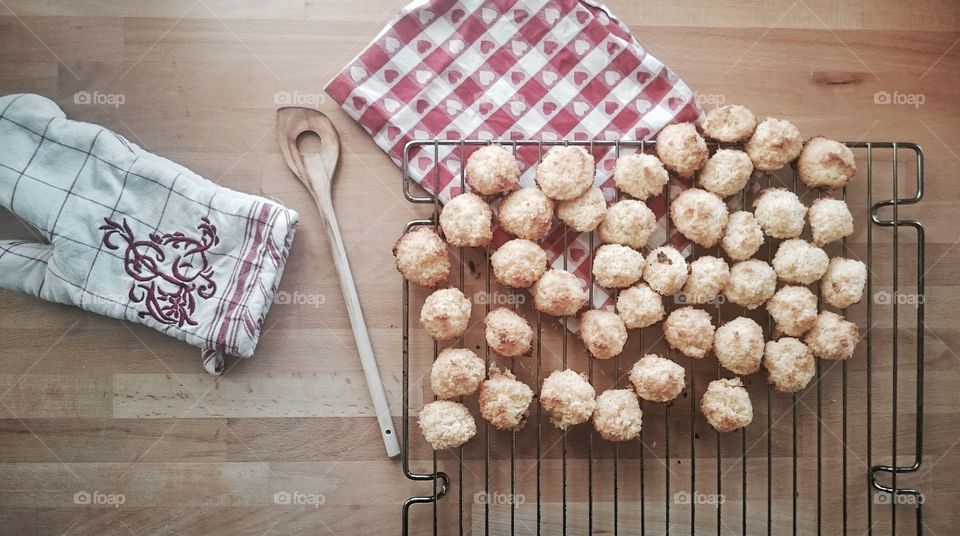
(616, 266)
(794, 309)
(729, 123)
(446, 314)
(682, 149)
(800, 262)
(752, 283)
(726, 172)
(707, 278)
(507, 333)
(456, 372)
(789, 363)
(584, 213)
(628, 222)
(689, 330)
(467, 221)
(603, 333)
(640, 175)
(504, 400)
(526, 213)
(774, 144)
(780, 213)
(826, 164)
(832, 336)
(830, 220)
(568, 398)
(842, 284)
(743, 237)
(738, 345)
(492, 170)
(700, 216)
(657, 379)
(558, 293)
(566, 172)
(446, 425)
(666, 270)
(519, 263)
(639, 306)
(421, 256)
(618, 415)
(726, 405)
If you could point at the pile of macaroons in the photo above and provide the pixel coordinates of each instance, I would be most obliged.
(643, 277)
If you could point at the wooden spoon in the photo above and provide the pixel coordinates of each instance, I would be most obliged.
(316, 172)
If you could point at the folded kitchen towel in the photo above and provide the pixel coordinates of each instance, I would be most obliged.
(513, 70)
(130, 235)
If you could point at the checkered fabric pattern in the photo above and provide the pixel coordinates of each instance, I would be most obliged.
(512, 70)
(130, 235)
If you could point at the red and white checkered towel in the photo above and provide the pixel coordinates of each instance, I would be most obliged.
(512, 70)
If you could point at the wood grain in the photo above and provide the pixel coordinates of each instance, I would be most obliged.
(89, 404)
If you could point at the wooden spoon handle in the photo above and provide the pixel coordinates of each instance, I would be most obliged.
(360, 335)
(316, 173)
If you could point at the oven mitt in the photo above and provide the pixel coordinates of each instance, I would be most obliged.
(130, 235)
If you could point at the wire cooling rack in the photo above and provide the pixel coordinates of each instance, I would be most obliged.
(832, 459)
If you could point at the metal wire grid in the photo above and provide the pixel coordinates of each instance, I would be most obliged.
(896, 495)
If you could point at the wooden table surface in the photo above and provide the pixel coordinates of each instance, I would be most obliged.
(93, 405)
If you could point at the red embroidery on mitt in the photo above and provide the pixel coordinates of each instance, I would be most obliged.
(168, 270)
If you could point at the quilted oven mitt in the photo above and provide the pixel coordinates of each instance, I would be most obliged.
(130, 235)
